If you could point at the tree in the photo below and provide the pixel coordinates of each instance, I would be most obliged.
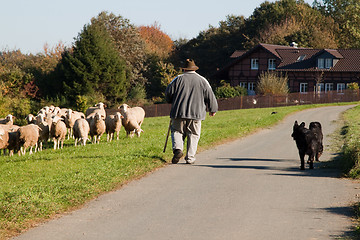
(346, 14)
(128, 42)
(93, 67)
(156, 41)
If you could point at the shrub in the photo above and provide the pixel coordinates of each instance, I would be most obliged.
(271, 83)
(227, 91)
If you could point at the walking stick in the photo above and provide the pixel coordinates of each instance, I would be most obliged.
(167, 136)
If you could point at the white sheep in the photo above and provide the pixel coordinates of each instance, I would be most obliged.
(58, 132)
(44, 131)
(97, 127)
(28, 137)
(113, 125)
(81, 131)
(8, 120)
(70, 118)
(100, 108)
(132, 119)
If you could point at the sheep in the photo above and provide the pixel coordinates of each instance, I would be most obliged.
(113, 125)
(28, 137)
(9, 138)
(100, 108)
(44, 131)
(132, 119)
(30, 119)
(58, 132)
(97, 127)
(81, 131)
(70, 118)
(8, 120)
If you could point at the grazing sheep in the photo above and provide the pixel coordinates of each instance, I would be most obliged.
(100, 108)
(44, 131)
(8, 120)
(28, 137)
(81, 131)
(132, 119)
(70, 118)
(58, 132)
(113, 125)
(97, 128)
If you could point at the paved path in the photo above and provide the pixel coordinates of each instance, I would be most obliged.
(251, 188)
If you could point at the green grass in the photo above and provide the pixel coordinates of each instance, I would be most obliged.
(36, 187)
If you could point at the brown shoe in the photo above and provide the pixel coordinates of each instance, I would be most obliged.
(177, 155)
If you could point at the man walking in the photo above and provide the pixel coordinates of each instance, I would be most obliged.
(190, 94)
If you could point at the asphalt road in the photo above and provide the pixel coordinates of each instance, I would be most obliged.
(251, 188)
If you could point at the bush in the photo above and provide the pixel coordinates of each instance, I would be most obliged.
(227, 91)
(271, 83)
(353, 86)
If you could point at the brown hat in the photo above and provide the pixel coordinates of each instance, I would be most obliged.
(190, 65)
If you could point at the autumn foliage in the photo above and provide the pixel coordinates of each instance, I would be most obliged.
(157, 42)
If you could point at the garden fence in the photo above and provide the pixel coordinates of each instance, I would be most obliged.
(257, 101)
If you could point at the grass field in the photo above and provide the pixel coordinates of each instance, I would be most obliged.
(36, 187)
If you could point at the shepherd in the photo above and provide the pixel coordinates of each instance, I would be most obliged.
(190, 95)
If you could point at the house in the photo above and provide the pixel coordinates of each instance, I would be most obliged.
(307, 69)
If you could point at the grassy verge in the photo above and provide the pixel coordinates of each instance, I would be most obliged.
(37, 187)
(349, 137)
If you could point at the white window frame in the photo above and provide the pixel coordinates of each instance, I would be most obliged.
(319, 88)
(254, 64)
(329, 87)
(303, 87)
(272, 64)
(321, 63)
(340, 87)
(328, 63)
(251, 86)
(242, 84)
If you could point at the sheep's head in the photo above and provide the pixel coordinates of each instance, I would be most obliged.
(9, 118)
(118, 116)
(100, 105)
(123, 108)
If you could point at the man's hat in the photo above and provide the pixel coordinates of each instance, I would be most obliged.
(190, 65)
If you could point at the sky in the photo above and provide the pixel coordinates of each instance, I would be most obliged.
(28, 25)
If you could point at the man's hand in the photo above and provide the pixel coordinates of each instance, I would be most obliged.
(211, 114)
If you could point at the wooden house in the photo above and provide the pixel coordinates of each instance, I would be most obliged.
(307, 69)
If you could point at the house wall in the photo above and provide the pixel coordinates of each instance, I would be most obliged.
(242, 72)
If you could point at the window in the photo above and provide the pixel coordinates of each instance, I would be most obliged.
(319, 87)
(325, 63)
(340, 87)
(329, 87)
(254, 63)
(328, 63)
(303, 87)
(300, 58)
(271, 64)
(242, 84)
(251, 86)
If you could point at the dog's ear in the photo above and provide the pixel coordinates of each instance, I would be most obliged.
(296, 124)
(302, 124)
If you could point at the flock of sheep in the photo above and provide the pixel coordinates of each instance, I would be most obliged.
(54, 123)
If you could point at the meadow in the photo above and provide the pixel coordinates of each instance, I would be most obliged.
(37, 187)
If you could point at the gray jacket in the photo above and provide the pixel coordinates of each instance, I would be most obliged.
(190, 95)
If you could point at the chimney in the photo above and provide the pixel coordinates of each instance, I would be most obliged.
(294, 45)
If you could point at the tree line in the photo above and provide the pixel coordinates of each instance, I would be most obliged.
(111, 60)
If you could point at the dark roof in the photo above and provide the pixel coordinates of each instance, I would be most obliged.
(304, 59)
